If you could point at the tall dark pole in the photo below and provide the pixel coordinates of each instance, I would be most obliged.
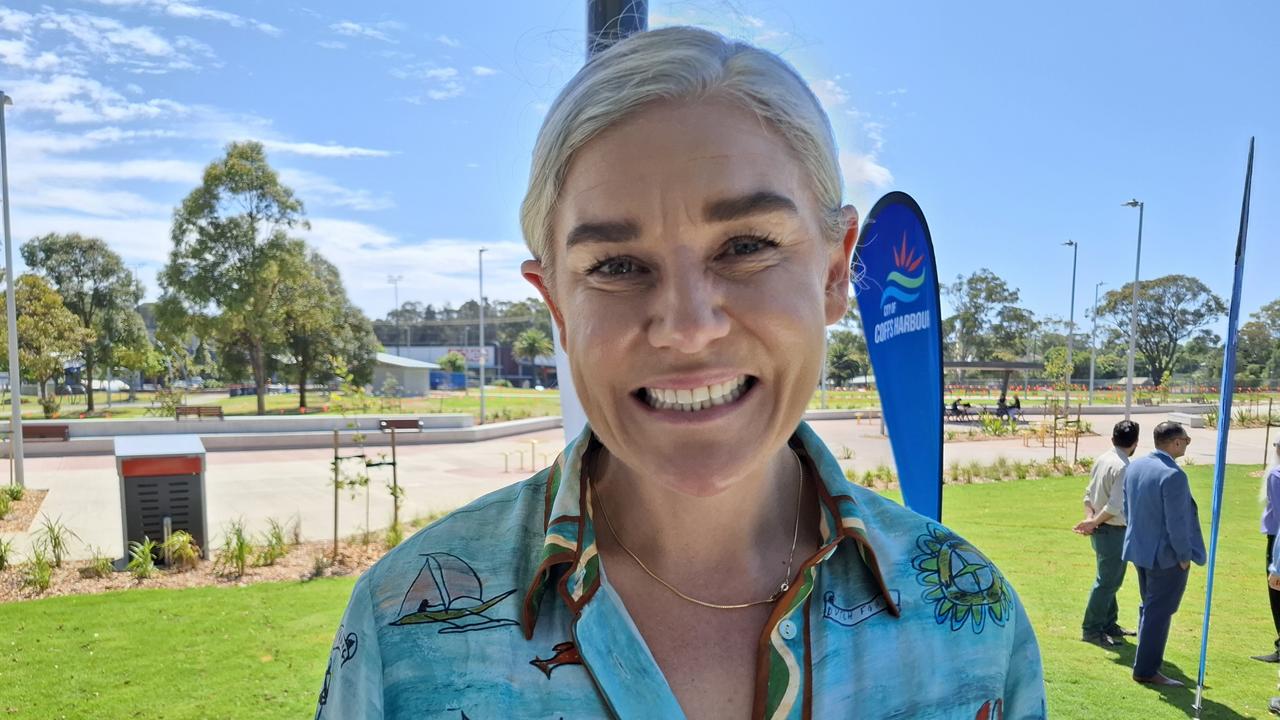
(608, 21)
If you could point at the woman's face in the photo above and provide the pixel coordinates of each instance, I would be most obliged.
(692, 284)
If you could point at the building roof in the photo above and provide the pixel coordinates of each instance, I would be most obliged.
(404, 362)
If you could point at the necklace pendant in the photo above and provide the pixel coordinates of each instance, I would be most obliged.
(785, 587)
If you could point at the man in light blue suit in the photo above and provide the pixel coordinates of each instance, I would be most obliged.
(1162, 540)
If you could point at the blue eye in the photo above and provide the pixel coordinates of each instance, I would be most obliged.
(749, 245)
(614, 267)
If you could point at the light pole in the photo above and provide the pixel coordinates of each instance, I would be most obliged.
(15, 395)
(1133, 315)
(1071, 322)
(395, 289)
(483, 354)
(1093, 339)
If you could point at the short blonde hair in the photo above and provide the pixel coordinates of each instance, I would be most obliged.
(677, 63)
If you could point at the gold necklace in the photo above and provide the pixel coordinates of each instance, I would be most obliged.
(786, 579)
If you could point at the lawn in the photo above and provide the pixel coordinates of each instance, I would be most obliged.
(259, 651)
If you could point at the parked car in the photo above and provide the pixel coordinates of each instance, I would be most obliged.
(114, 385)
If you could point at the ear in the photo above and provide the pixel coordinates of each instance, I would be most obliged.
(838, 267)
(538, 276)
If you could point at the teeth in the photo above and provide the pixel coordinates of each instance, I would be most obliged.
(692, 400)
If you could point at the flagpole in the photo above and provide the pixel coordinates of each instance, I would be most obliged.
(1224, 420)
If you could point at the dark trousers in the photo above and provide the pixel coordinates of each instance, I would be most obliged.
(1161, 590)
(1101, 614)
(1275, 594)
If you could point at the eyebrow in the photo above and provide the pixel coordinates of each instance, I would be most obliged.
(761, 202)
(757, 203)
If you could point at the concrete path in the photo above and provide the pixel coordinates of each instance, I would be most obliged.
(282, 484)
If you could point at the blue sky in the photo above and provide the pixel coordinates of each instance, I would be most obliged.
(406, 127)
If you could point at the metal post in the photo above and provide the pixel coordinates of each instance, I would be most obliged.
(1093, 339)
(395, 483)
(1071, 323)
(15, 373)
(336, 460)
(1133, 314)
(483, 355)
(1267, 442)
(395, 289)
(608, 21)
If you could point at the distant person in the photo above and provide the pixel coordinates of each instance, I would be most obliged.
(1105, 525)
(1015, 409)
(1273, 582)
(1270, 527)
(1002, 407)
(1162, 540)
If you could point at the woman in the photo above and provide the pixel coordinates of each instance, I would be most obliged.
(696, 552)
(1270, 527)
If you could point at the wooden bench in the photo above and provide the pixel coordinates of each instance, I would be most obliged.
(198, 411)
(46, 432)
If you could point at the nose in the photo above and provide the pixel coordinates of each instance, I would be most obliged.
(688, 313)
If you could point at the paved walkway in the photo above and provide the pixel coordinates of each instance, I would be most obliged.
(257, 485)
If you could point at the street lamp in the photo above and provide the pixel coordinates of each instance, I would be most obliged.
(1093, 339)
(395, 289)
(1133, 315)
(15, 396)
(483, 354)
(1071, 323)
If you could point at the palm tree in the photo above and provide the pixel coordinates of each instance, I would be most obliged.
(531, 344)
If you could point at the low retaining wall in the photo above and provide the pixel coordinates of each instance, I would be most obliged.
(267, 439)
(238, 425)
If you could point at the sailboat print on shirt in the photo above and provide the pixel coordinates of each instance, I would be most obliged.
(447, 590)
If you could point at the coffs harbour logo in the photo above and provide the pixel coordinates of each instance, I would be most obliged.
(902, 287)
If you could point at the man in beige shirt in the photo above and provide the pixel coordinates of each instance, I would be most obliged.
(1104, 523)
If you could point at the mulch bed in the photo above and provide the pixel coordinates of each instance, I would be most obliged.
(23, 512)
(302, 562)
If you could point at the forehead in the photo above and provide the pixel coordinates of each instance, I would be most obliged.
(678, 156)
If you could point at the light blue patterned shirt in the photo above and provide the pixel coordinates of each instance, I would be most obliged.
(503, 609)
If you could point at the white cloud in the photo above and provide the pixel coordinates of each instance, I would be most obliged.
(373, 32)
(442, 82)
(14, 21)
(90, 201)
(17, 53)
(830, 93)
(482, 71)
(435, 270)
(137, 239)
(192, 10)
(318, 150)
(318, 190)
(863, 169)
(332, 44)
(96, 171)
(448, 41)
(73, 99)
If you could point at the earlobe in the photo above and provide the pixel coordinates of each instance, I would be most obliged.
(537, 275)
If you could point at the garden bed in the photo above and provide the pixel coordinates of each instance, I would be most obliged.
(22, 512)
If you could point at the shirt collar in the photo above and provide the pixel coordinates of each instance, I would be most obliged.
(569, 561)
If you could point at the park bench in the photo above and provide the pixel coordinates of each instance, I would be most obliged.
(401, 425)
(46, 432)
(198, 411)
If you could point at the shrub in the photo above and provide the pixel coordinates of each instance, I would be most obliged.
(38, 573)
(274, 545)
(181, 549)
(236, 550)
(953, 471)
(868, 478)
(846, 453)
(1020, 470)
(4, 505)
(295, 530)
(319, 565)
(15, 492)
(6, 553)
(142, 561)
(99, 566)
(56, 537)
(502, 383)
(395, 535)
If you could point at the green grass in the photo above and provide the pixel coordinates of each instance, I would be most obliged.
(1025, 527)
(260, 651)
(214, 652)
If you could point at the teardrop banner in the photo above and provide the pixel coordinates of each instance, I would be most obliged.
(895, 280)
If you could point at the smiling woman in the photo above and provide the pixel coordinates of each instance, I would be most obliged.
(685, 220)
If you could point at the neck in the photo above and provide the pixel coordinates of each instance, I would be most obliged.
(746, 530)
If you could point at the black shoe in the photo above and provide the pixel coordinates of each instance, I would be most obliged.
(1274, 706)
(1271, 657)
(1100, 639)
(1116, 631)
